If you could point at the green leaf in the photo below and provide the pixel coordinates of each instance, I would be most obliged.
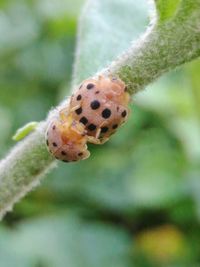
(107, 28)
(66, 241)
(166, 8)
(25, 130)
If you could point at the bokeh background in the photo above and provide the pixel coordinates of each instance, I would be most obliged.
(136, 200)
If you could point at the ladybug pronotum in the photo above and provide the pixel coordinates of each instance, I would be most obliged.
(95, 111)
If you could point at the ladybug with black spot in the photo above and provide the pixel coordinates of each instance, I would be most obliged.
(101, 105)
(95, 111)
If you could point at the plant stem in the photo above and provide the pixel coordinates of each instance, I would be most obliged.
(23, 168)
(156, 53)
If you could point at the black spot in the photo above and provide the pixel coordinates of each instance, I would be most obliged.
(47, 142)
(80, 154)
(97, 92)
(117, 108)
(115, 126)
(80, 86)
(90, 86)
(64, 160)
(79, 97)
(78, 111)
(63, 153)
(92, 127)
(54, 144)
(104, 129)
(124, 113)
(125, 89)
(106, 113)
(54, 127)
(95, 104)
(84, 120)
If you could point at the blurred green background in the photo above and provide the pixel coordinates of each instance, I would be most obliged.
(136, 200)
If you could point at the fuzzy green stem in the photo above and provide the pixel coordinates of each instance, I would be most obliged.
(23, 168)
(163, 48)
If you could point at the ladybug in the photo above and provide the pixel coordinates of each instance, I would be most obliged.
(66, 140)
(95, 111)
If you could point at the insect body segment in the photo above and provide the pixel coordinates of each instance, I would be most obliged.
(95, 112)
